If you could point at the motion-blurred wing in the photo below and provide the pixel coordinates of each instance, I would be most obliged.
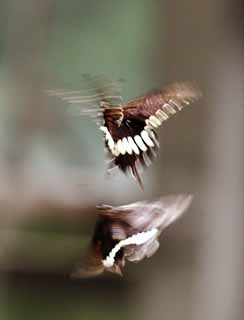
(90, 265)
(96, 92)
(140, 225)
(145, 215)
(129, 232)
(159, 106)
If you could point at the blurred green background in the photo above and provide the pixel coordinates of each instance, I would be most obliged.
(52, 164)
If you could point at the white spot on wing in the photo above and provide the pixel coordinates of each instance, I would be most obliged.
(155, 139)
(148, 125)
(127, 146)
(103, 129)
(154, 121)
(140, 143)
(162, 115)
(146, 138)
(120, 147)
(178, 105)
(108, 138)
(169, 108)
(111, 143)
(186, 102)
(133, 145)
(137, 239)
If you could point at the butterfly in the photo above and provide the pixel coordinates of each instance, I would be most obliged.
(129, 128)
(129, 232)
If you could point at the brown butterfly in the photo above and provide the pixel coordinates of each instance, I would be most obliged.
(129, 232)
(129, 128)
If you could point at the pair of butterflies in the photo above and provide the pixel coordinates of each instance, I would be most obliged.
(131, 231)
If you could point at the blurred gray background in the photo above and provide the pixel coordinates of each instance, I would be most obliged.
(52, 164)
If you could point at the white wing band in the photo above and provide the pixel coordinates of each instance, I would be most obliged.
(137, 239)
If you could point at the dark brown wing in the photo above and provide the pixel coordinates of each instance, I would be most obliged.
(129, 130)
(131, 147)
(91, 264)
(162, 104)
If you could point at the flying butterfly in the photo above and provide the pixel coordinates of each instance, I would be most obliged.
(129, 232)
(129, 128)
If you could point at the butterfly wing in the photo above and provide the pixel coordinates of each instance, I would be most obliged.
(141, 217)
(159, 106)
(146, 215)
(119, 226)
(90, 266)
(132, 141)
(159, 214)
(138, 253)
(95, 93)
